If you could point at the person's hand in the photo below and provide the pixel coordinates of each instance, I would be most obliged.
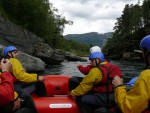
(17, 104)
(117, 81)
(40, 78)
(5, 65)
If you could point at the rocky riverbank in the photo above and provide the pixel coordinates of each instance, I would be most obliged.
(31, 45)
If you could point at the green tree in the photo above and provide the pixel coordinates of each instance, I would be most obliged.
(38, 16)
(146, 11)
(126, 31)
(136, 18)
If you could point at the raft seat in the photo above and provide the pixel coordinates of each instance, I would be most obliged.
(56, 85)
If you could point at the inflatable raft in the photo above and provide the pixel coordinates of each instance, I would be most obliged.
(56, 99)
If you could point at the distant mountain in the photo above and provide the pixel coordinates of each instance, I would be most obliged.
(90, 38)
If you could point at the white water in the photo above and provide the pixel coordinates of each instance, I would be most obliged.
(129, 69)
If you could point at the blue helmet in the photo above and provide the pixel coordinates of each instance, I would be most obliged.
(132, 81)
(145, 43)
(99, 55)
(9, 49)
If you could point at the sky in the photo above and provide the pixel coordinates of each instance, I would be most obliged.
(91, 15)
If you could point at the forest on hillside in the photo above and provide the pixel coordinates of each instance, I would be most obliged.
(130, 28)
(42, 19)
(92, 38)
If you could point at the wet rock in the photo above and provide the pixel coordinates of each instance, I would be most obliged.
(31, 44)
(72, 57)
(27, 42)
(126, 56)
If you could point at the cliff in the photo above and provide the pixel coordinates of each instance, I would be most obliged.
(27, 42)
(30, 45)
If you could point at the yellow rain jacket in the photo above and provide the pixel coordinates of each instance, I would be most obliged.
(136, 100)
(93, 77)
(19, 72)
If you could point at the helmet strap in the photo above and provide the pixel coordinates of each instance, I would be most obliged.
(7, 57)
(11, 55)
(97, 63)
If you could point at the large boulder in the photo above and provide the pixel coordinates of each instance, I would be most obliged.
(49, 55)
(27, 42)
(72, 57)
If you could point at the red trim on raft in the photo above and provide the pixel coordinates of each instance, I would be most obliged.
(57, 100)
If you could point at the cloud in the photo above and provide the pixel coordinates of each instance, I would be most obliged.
(90, 15)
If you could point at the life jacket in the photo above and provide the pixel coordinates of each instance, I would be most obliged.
(7, 89)
(108, 72)
(14, 78)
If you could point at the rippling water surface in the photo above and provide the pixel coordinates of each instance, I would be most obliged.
(129, 69)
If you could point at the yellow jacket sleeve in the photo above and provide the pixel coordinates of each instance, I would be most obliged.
(15, 95)
(19, 72)
(135, 100)
(93, 77)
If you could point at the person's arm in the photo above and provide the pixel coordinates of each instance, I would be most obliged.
(136, 99)
(84, 69)
(94, 76)
(6, 85)
(20, 74)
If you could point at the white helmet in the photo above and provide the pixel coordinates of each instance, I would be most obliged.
(95, 49)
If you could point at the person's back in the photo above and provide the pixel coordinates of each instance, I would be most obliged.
(92, 90)
(137, 98)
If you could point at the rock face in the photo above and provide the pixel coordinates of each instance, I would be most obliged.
(27, 42)
(29, 62)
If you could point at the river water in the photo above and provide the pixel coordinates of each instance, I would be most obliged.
(129, 69)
